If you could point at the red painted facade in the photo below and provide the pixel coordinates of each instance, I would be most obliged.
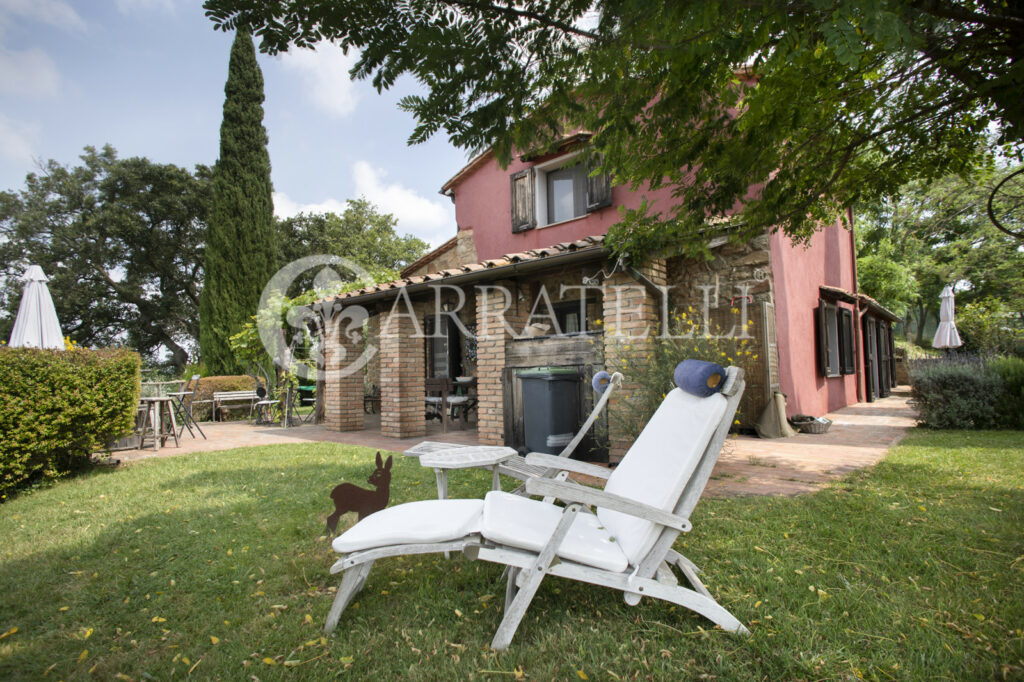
(482, 200)
(482, 197)
(797, 273)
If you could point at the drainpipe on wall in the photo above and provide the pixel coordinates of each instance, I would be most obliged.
(857, 341)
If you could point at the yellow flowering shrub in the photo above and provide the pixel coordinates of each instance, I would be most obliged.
(650, 366)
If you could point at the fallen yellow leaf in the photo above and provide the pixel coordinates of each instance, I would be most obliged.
(82, 656)
(582, 675)
(158, 619)
(269, 661)
(214, 640)
(9, 632)
(88, 634)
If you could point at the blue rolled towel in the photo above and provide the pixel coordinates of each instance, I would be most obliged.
(699, 377)
(601, 381)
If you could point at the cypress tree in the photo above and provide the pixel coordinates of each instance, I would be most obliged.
(240, 248)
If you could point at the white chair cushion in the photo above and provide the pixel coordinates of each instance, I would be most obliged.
(528, 524)
(658, 465)
(413, 523)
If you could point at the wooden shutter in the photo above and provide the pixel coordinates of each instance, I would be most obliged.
(599, 187)
(846, 341)
(822, 329)
(523, 210)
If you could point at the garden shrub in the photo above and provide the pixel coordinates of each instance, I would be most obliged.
(59, 407)
(210, 385)
(990, 328)
(1011, 406)
(648, 365)
(956, 394)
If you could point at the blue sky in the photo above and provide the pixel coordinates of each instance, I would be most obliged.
(147, 76)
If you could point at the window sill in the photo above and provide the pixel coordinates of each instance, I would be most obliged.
(562, 222)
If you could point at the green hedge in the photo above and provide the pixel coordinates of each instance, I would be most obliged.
(1011, 407)
(969, 393)
(213, 384)
(59, 407)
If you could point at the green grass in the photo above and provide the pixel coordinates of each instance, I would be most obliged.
(910, 571)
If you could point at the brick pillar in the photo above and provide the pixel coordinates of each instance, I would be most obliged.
(402, 371)
(372, 376)
(492, 340)
(343, 385)
(631, 316)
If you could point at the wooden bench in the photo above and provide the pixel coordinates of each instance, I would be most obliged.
(233, 399)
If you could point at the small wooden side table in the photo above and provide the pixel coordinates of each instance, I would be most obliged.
(465, 457)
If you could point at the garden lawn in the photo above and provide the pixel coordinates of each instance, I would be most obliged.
(215, 566)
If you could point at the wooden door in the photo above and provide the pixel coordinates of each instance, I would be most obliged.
(870, 360)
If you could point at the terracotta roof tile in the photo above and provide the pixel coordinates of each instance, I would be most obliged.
(507, 259)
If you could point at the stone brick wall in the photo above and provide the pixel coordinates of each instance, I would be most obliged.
(631, 316)
(721, 285)
(492, 342)
(465, 247)
(372, 331)
(402, 370)
(343, 387)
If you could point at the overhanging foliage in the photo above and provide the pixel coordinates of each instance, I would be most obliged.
(854, 98)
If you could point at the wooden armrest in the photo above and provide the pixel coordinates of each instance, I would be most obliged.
(573, 492)
(566, 464)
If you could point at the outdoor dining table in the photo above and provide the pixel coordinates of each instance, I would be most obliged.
(161, 388)
(155, 407)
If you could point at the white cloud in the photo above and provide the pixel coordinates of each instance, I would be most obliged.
(126, 6)
(324, 74)
(15, 141)
(28, 72)
(31, 72)
(56, 13)
(286, 207)
(430, 219)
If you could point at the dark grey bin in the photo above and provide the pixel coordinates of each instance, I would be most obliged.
(550, 407)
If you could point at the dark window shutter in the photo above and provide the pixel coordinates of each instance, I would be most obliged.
(599, 188)
(892, 356)
(523, 209)
(846, 341)
(822, 328)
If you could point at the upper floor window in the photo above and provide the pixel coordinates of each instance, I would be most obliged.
(566, 190)
(555, 191)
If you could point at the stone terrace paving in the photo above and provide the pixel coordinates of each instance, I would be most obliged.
(860, 436)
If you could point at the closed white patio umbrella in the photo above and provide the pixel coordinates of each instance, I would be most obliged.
(946, 335)
(37, 325)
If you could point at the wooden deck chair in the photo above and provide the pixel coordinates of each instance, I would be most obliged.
(626, 545)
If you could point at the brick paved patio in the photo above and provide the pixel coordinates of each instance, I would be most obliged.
(860, 436)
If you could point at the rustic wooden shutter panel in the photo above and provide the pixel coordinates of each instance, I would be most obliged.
(523, 208)
(599, 187)
(822, 328)
(846, 341)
